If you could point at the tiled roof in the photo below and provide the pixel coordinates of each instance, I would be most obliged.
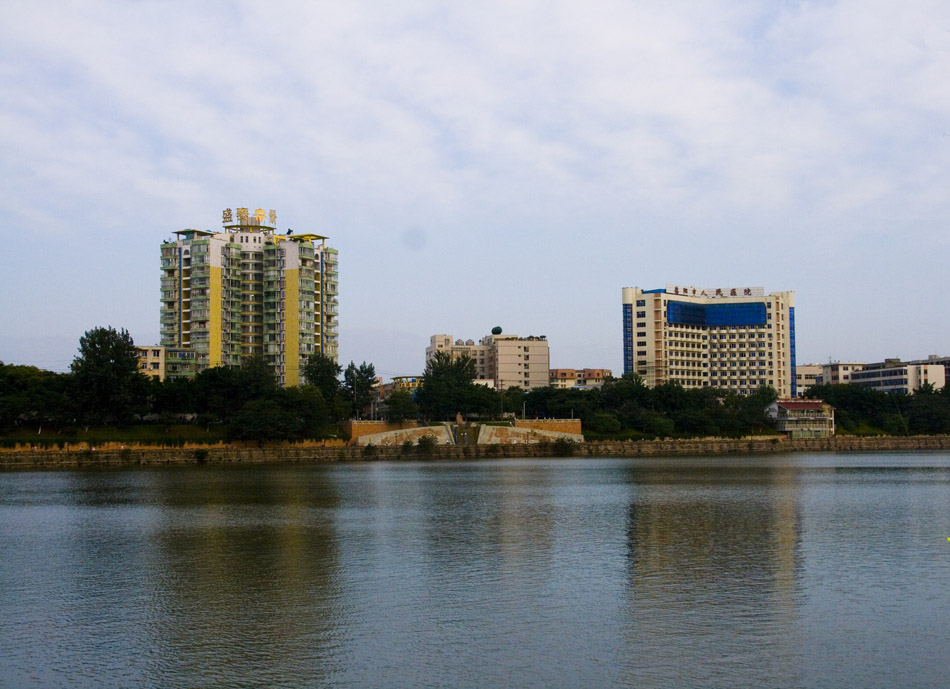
(801, 404)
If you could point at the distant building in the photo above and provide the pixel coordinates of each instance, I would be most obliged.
(934, 360)
(457, 348)
(891, 375)
(807, 375)
(166, 363)
(408, 383)
(578, 378)
(736, 339)
(151, 361)
(179, 363)
(506, 361)
(802, 418)
(839, 372)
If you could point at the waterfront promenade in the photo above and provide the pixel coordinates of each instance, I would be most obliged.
(53, 459)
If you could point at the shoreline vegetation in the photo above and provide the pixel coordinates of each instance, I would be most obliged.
(316, 453)
(105, 412)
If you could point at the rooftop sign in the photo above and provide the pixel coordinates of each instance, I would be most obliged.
(716, 292)
(244, 217)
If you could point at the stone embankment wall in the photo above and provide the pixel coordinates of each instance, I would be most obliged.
(53, 459)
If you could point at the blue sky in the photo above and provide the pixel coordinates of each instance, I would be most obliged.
(494, 163)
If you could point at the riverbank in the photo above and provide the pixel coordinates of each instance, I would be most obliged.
(57, 459)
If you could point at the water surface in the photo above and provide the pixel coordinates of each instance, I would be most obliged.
(793, 571)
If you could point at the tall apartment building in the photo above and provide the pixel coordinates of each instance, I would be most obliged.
(506, 360)
(735, 339)
(247, 291)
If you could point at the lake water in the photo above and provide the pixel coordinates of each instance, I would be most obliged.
(825, 570)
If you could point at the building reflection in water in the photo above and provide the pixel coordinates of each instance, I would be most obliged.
(247, 560)
(714, 573)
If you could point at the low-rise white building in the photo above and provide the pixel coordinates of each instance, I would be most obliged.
(892, 375)
(802, 418)
(579, 378)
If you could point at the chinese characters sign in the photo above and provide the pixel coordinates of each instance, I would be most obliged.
(716, 292)
(247, 217)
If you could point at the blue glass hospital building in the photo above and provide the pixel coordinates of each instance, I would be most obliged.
(733, 338)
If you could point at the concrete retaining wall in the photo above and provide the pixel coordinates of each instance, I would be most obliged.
(656, 448)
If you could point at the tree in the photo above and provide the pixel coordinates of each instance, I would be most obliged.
(264, 419)
(287, 414)
(218, 393)
(173, 397)
(221, 391)
(359, 381)
(447, 387)
(323, 373)
(514, 400)
(400, 406)
(307, 404)
(106, 384)
(31, 395)
(257, 378)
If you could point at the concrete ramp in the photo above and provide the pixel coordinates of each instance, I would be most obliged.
(442, 434)
(505, 435)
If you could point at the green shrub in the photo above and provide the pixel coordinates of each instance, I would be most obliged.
(563, 447)
(201, 455)
(426, 444)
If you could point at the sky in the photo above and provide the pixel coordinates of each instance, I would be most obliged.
(479, 164)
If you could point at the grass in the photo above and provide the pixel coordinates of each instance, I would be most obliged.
(157, 435)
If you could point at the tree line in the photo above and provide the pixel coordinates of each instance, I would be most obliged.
(862, 411)
(104, 387)
(626, 407)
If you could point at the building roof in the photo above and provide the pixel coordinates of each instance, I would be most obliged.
(800, 404)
